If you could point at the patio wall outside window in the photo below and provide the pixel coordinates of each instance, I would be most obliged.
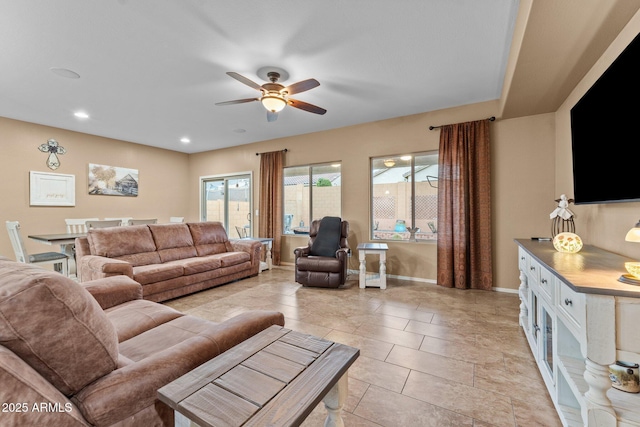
(311, 192)
(404, 197)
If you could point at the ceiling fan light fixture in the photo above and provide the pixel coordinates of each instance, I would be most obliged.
(273, 103)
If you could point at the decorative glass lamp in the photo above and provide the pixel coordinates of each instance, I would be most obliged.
(633, 278)
(566, 242)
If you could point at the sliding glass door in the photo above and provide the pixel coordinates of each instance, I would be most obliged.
(228, 199)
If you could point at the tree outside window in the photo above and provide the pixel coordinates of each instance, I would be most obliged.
(311, 192)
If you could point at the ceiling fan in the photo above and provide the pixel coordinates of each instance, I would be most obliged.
(276, 96)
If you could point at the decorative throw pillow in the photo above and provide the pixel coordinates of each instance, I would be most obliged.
(327, 241)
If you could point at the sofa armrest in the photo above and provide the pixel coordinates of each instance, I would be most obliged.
(125, 391)
(114, 290)
(97, 267)
(248, 246)
(252, 247)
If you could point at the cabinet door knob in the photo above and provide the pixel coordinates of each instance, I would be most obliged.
(567, 301)
(522, 258)
(532, 268)
(544, 280)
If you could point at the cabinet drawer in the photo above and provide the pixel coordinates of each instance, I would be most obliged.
(571, 303)
(533, 271)
(522, 259)
(547, 283)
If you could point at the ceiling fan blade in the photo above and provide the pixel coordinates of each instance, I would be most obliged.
(302, 86)
(238, 101)
(271, 116)
(243, 79)
(306, 106)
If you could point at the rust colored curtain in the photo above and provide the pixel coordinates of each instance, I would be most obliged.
(270, 215)
(464, 207)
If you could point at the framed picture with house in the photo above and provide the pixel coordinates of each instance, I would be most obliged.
(112, 181)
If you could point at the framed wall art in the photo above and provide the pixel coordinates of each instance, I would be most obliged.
(51, 189)
(112, 181)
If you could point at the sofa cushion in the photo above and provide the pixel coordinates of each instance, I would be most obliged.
(228, 259)
(198, 264)
(145, 274)
(133, 244)
(209, 238)
(55, 326)
(173, 241)
(135, 317)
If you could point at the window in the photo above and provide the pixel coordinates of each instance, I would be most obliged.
(228, 199)
(404, 197)
(311, 192)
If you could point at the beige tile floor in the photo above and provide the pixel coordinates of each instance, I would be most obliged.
(429, 356)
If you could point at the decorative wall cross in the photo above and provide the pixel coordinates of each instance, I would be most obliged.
(53, 149)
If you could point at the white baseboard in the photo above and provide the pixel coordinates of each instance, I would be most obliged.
(506, 290)
(432, 281)
(413, 279)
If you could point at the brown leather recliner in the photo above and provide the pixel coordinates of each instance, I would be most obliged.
(323, 270)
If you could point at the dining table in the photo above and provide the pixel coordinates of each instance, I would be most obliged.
(67, 246)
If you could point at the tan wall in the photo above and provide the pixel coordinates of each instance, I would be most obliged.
(162, 175)
(602, 225)
(522, 188)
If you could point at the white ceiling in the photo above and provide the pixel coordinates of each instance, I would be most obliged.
(151, 71)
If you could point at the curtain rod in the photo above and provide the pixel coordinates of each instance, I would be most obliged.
(284, 150)
(491, 119)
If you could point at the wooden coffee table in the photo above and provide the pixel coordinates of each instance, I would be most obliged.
(274, 378)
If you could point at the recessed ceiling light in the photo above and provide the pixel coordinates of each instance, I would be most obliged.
(405, 158)
(81, 115)
(64, 72)
(185, 140)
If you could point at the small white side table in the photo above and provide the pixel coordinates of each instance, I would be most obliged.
(379, 280)
(267, 243)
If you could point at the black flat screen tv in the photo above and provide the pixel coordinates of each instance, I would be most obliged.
(605, 134)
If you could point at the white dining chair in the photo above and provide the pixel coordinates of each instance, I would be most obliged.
(176, 219)
(58, 259)
(78, 225)
(142, 221)
(103, 223)
(123, 221)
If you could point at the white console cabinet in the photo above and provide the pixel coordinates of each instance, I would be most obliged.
(579, 319)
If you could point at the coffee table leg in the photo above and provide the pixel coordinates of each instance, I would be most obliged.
(181, 421)
(334, 401)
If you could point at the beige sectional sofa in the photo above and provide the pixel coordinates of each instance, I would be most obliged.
(168, 260)
(96, 353)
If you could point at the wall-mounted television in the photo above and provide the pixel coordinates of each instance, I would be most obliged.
(605, 134)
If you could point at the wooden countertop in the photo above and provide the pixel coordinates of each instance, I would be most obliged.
(590, 271)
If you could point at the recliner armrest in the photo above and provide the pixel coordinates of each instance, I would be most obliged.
(343, 253)
(114, 290)
(301, 251)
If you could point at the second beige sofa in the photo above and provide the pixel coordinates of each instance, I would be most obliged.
(168, 260)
